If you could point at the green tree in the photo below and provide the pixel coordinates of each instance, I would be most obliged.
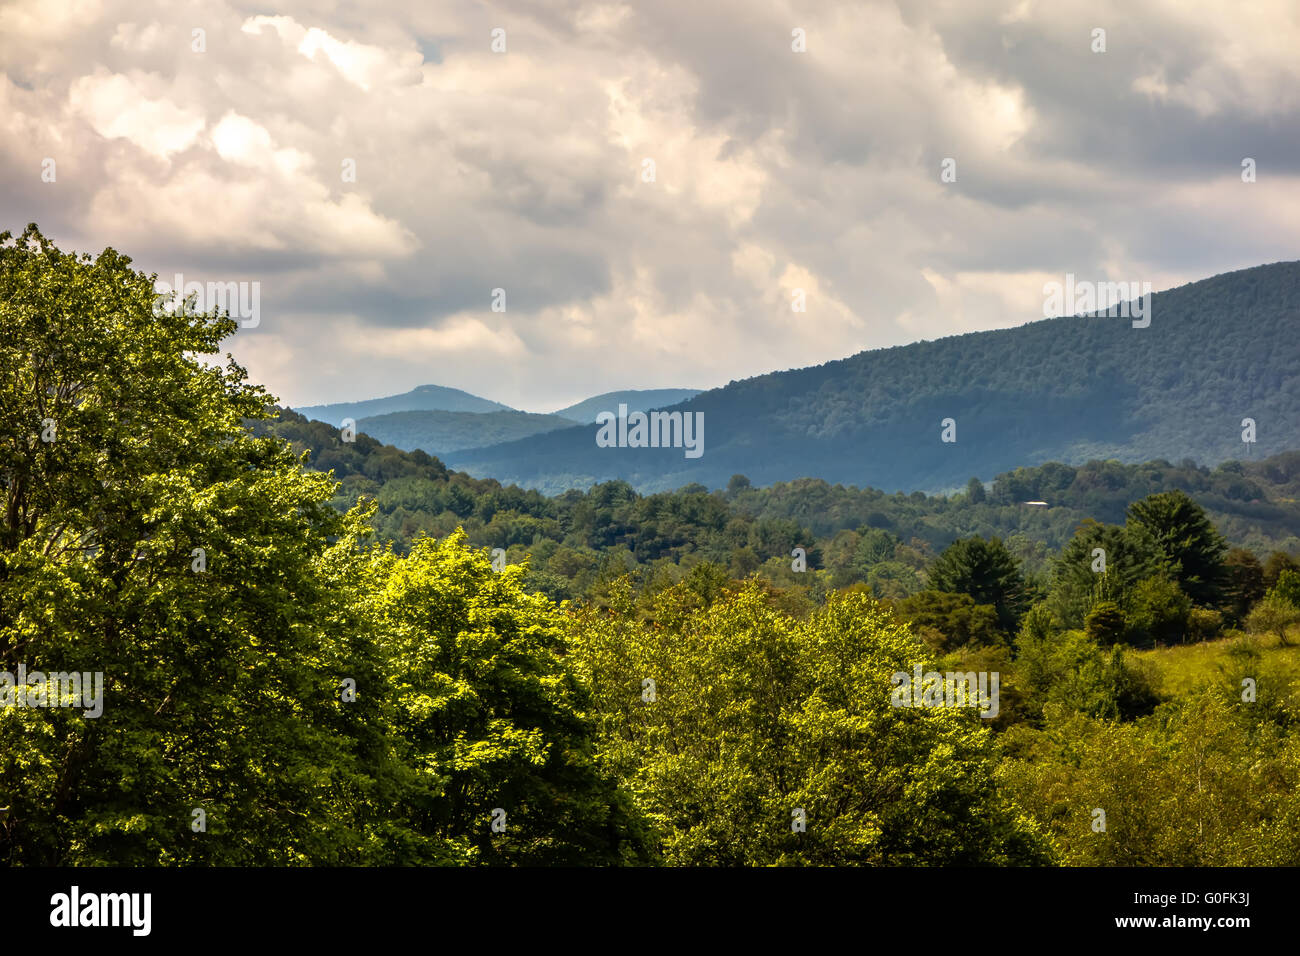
(147, 535)
(1190, 543)
(948, 621)
(1158, 611)
(1194, 784)
(708, 581)
(1204, 624)
(490, 716)
(985, 570)
(1101, 563)
(874, 546)
(756, 716)
(1069, 672)
(1243, 583)
(1274, 565)
(1273, 614)
(1105, 623)
(893, 579)
(744, 562)
(317, 702)
(736, 485)
(1039, 623)
(1288, 587)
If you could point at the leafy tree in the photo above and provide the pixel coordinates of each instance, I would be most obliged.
(318, 704)
(894, 579)
(1190, 543)
(1129, 688)
(1191, 785)
(874, 546)
(1204, 624)
(1039, 623)
(1274, 614)
(987, 572)
(757, 715)
(147, 535)
(1274, 565)
(1158, 611)
(744, 562)
(490, 716)
(1288, 587)
(948, 621)
(707, 581)
(975, 491)
(1068, 672)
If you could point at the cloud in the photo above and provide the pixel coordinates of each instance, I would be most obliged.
(524, 170)
(365, 65)
(117, 106)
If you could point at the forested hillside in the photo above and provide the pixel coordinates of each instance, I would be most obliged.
(636, 399)
(1068, 389)
(438, 432)
(571, 537)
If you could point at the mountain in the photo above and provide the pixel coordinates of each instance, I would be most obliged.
(421, 398)
(636, 400)
(439, 420)
(1069, 389)
(438, 432)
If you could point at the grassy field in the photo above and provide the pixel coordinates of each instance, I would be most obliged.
(1188, 668)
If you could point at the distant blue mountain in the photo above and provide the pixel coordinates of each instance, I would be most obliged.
(439, 432)
(423, 398)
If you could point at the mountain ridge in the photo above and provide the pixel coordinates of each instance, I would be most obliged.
(636, 399)
(437, 432)
(1068, 389)
(421, 398)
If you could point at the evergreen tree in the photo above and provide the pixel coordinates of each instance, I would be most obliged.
(985, 570)
(1101, 563)
(1190, 543)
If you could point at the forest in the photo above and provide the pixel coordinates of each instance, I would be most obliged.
(325, 652)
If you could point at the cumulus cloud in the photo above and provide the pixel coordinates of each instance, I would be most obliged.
(381, 170)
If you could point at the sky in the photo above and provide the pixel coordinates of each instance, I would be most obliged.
(656, 186)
